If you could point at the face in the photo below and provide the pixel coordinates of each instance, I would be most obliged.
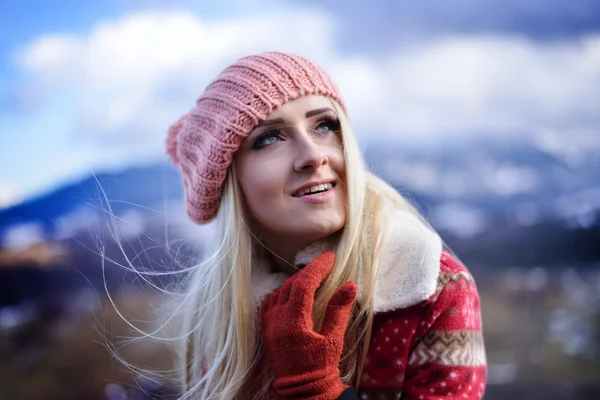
(292, 173)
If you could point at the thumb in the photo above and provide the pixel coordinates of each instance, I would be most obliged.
(338, 310)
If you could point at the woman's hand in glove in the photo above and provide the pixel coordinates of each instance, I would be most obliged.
(306, 363)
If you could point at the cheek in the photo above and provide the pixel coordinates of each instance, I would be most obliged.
(262, 192)
(338, 163)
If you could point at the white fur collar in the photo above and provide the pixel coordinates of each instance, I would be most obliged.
(408, 270)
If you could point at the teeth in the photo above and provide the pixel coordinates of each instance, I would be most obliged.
(316, 188)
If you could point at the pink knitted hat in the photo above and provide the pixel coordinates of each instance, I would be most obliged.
(202, 142)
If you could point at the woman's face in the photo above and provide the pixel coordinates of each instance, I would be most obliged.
(292, 173)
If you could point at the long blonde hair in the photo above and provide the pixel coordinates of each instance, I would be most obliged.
(221, 346)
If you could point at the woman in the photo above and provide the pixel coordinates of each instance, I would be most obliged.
(324, 282)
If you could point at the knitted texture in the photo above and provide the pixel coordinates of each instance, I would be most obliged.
(202, 142)
(305, 362)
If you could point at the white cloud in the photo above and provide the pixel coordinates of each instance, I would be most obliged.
(482, 85)
(130, 78)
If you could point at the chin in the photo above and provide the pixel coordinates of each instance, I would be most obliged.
(321, 228)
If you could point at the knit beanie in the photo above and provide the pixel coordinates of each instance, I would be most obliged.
(202, 142)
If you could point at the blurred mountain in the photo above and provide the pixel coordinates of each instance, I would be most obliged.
(502, 203)
(511, 181)
(77, 206)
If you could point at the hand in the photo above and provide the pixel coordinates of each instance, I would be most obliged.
(305, 362)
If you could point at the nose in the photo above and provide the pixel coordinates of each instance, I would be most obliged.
(310, 154)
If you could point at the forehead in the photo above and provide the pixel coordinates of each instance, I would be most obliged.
(299, 107)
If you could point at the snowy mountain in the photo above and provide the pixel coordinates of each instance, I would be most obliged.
(489, 182)
(133, 194)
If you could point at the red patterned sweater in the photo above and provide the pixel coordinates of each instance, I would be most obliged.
(427, 342)
(432, 350)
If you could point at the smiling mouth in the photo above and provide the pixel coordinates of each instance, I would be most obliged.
(322, 188)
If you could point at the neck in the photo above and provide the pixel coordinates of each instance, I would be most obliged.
(283, 254)
(290, 255)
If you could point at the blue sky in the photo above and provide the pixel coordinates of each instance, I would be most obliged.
(27, 163)
(89, 86)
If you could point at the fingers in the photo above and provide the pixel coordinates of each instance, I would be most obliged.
(300, 289)
(310, 278)
(338, 309)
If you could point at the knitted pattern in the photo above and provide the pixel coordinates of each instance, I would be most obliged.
(202, 142)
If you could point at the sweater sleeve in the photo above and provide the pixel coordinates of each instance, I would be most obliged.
(438, 346)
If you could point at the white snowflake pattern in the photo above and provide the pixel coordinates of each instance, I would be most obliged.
(453, 375)
(399, 363)
(469, 312)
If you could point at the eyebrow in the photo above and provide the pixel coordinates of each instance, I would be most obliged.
(270, 122)
(318, 111)
(309, 114)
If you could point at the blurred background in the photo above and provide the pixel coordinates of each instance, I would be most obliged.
(485, 114)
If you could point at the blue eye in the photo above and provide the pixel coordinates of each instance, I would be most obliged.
(329, 124)
(266, 139)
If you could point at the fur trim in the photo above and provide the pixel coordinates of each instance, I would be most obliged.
(264, 281)
(408, 270)
(410, 265)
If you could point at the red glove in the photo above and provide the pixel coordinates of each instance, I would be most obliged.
(305, 362)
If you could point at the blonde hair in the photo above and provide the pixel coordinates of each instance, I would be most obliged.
(221, 346)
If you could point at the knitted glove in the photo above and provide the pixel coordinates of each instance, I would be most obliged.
(305, 362)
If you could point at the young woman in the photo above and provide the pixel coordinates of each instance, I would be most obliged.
(324, 282)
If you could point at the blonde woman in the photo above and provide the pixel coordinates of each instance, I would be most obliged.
(324, 282)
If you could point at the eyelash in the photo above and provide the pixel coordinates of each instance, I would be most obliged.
(333, 122)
